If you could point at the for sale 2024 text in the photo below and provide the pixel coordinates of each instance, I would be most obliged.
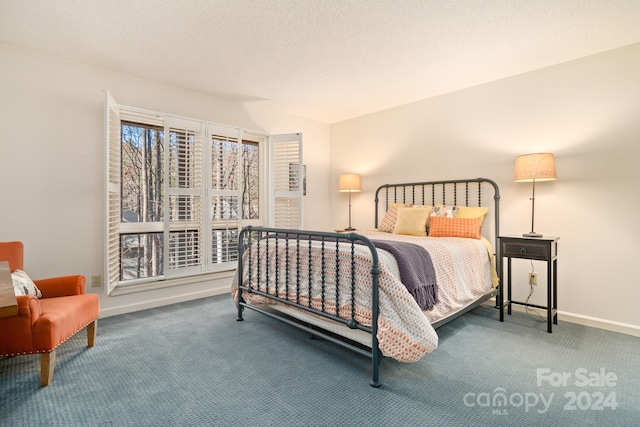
(596, 400)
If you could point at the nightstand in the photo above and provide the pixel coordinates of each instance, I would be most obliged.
(532, 248)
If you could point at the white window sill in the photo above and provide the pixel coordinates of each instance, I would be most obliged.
(130, 288)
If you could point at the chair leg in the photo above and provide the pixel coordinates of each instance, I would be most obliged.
(48, 360)
(47, 363)
(92, 329)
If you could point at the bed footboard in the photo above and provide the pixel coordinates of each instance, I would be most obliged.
(275, 266)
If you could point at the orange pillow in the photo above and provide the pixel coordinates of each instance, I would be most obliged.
(440, 226)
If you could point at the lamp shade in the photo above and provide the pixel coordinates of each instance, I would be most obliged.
(349, 183)
(538, 167)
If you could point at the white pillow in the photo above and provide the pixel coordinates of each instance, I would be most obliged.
(445, 211)
(23, 285)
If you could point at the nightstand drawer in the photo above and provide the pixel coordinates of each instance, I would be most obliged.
(524, 250)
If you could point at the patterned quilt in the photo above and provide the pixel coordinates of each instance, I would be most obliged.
(404, 331)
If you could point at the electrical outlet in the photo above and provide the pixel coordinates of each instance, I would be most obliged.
(533, 279)
(96, 281)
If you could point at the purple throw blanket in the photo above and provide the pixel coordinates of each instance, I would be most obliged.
(416, 270)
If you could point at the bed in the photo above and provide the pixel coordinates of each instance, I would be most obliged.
(381, 292)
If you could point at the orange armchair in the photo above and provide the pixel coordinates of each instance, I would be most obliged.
(41, 325)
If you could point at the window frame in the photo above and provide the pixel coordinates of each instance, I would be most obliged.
(209, 269)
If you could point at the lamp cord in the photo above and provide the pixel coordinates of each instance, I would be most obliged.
(526, 308)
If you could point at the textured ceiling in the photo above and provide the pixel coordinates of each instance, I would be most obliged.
(328, 60)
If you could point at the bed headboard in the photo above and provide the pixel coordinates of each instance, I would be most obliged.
(458, 192)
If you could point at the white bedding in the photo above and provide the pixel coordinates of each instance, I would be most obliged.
(463, 269)
(459, 285)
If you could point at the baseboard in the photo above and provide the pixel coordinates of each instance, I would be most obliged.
(159, 302)
(594, 322)
(623, 328)
(608, 325)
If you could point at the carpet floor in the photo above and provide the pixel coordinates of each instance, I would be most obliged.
(193, 364)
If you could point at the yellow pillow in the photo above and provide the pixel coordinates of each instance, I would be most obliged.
(412, 221)
(440, 226)
(472, 212)
(389, 221)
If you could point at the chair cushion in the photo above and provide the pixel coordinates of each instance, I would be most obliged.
(62, 317)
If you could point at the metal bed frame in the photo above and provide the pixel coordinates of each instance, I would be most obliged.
(274, 239)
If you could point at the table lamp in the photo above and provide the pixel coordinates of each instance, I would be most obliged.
(534, 168)
(349, 183)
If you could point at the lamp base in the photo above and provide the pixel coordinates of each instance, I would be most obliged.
(349, 229)
(532, 234)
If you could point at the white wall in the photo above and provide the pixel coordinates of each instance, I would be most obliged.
(587, 112)
(52, 157)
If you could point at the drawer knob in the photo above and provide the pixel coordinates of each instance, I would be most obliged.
(523, 250)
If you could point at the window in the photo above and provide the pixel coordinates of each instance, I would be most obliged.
(179, 191)
(142, 195)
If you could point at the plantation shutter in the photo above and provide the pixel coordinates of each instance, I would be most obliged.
(177, 192)
(112, 193)
(184, 236)
(226, 177)
(286, 179)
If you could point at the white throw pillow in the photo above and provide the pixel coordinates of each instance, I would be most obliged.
(23, 285)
